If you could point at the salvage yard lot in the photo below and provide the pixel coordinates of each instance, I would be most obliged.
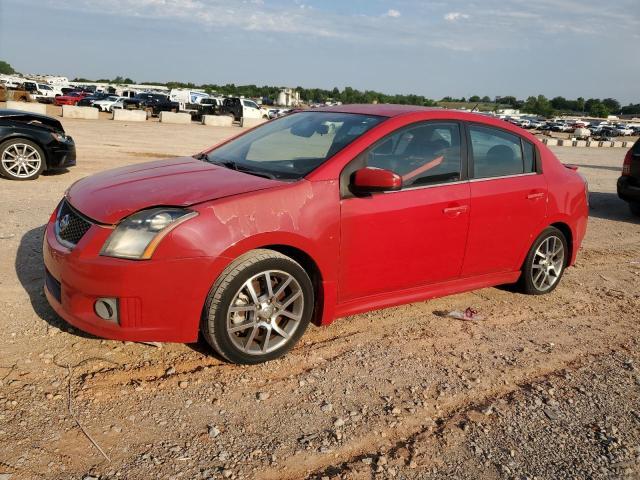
(544, 386)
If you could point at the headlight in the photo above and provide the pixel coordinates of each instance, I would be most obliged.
(60, 137)
(137, 236)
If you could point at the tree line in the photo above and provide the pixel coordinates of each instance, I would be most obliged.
(537, 105)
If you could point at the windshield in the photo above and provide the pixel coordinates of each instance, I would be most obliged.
(293, 146)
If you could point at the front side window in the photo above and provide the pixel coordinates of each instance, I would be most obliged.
(293, 146)
(422, 154)
(496, 153)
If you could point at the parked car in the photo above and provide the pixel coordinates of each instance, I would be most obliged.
(313, 216)
(605, 133)
(31, 144)
(71, 98)
(582, 133)
(629, 181)
(206, 106)
(89, 101)
(109, 103)
(240, 108)
(623, 130)
(536, 124)
(153, 102)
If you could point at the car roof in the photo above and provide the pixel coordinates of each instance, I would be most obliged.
(381, 109)
(392, 110)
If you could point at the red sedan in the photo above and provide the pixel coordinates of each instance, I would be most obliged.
(70, 98)
(310, 217)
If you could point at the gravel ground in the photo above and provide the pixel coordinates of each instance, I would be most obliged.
(544, 387)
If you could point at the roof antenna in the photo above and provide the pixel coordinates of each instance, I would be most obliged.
(474, 108)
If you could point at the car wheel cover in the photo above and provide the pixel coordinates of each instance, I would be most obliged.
(21, 160)
(548, 262)
(265, 312)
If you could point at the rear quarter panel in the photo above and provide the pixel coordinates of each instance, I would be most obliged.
(567, 198)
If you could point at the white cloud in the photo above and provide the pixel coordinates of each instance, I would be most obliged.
(455, 16)
(393, 13)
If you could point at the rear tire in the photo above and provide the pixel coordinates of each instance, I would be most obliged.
(258, 308)
(545, 263)
(635, 208)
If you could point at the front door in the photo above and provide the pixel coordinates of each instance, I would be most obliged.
(417, 235)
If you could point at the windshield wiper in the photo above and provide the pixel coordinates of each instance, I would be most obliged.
(258, 173)
(234, 166)
(223, 163)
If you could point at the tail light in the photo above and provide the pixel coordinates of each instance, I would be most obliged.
(626, 165)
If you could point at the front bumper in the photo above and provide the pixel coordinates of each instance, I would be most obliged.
(628, 189)
(158, 300)
(61, 154)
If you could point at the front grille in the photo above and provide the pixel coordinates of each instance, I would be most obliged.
(70, 225)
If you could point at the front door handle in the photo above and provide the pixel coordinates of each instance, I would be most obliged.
(455, 211)
(535, 196)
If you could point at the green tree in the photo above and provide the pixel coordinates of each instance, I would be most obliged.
(6, 68)
(486, 99)
(539, 105)
(598, 110)
(611, 104)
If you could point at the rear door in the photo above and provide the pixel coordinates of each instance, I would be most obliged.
(508, 200)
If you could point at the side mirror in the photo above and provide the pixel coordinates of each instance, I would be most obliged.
(371, 179)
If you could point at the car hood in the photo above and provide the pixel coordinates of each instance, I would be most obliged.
(110, 196)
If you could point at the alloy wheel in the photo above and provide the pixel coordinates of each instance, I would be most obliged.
(21, 160)
(265, 312)
(548, 262)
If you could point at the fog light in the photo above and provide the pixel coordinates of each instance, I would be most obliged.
(107, 309)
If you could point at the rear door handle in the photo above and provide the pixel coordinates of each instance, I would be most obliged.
(455, 211)
(535, 196)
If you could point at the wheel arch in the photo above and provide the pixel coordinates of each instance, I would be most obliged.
(311, 267)
(568, 235)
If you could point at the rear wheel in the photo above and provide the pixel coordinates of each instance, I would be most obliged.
(258, 308)
(635, 208)
(21, 159)
(545, 263)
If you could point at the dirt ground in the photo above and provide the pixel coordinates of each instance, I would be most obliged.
(544, 387)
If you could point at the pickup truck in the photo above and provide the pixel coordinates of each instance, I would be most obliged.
(152, 102)
(241, 107)
(14, 94)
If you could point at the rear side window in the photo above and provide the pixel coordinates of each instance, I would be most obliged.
(497, 153)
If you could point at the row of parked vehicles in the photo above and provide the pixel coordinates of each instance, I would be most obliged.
(155, 102)
(580, 128)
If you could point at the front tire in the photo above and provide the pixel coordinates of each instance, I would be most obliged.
(258, 308)
(21, 159)
(545, 263)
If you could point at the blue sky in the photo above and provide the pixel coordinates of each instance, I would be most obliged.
(435, 48)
